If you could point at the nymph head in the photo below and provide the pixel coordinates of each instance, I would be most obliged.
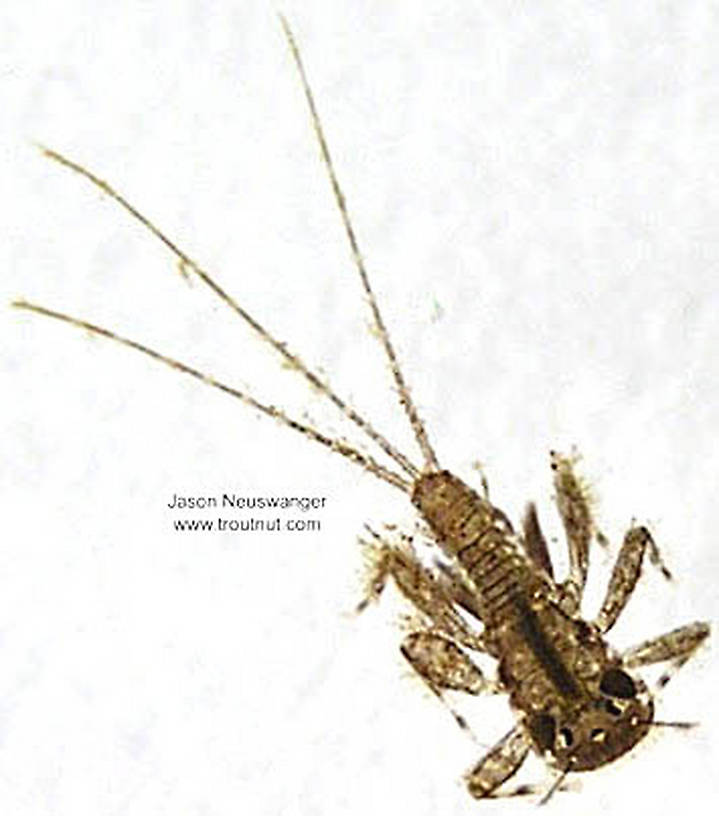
(596, 730)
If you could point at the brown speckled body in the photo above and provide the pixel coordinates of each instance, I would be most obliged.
(575, 700)
(550, 662)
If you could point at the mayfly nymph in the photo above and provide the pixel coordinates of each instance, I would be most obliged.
(578, 703)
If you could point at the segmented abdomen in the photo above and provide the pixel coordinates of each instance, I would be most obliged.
(480, 537)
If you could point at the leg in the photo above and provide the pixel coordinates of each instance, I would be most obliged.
(678, 646)
(529, 789)
(443, 665)
(626, 573)
(535, 544)
(423, 589)
(572, 497)
(499, 764)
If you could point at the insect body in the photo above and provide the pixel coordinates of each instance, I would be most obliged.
(576, 701)
(556, 668)
(577, 704)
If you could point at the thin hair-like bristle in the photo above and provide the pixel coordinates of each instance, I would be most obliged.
(188, 264)
(405, 397)
(555, 787)
(337, 445)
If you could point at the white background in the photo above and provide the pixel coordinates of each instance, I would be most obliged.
(536, 191)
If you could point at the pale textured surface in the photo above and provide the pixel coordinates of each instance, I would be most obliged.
(536, 189)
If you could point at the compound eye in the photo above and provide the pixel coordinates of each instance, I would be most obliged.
(566, 737)
(543, 729)
(617, 683)
(612, 708)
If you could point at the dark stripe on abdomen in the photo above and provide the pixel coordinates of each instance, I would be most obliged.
(547, 656)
